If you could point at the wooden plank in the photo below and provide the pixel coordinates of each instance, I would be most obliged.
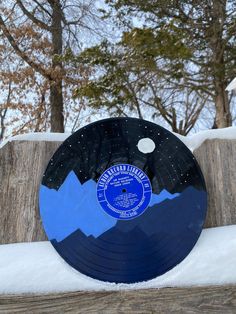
(22, 166)
(23, 163)
(217, 159)
(165, 300)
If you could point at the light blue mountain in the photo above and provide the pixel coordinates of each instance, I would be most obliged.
(164, 195)
(75, 206)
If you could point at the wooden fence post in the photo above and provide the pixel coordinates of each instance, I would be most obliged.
(22, 164)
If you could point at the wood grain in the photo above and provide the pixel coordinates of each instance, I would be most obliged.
(217, 159)
(165, 300)
(22, 165)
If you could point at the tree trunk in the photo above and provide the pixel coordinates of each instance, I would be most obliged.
(56, 101)
(3, 113)
(56, 95)
(223, 116)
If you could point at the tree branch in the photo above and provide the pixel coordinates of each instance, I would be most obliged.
(42, 8)
(32, 17)
(21, 53)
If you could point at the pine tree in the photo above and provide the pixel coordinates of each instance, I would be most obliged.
(208, 29)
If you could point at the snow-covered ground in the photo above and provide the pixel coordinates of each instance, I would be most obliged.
(37, 268)
(191, 141)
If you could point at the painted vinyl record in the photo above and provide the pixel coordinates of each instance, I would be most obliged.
(123, 200)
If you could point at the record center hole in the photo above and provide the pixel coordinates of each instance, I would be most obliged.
(124, 190)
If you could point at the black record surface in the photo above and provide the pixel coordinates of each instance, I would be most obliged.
(151, 216)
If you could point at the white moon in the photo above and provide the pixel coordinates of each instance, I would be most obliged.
(146, 145)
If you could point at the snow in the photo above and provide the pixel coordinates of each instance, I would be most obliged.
(37, 268)
(195, 140)
(191, 141)
(232, 85)
(37, 136)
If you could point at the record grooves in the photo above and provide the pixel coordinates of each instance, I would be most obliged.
(123, 200)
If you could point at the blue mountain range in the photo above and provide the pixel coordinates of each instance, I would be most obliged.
(74, 206)
(141, 248)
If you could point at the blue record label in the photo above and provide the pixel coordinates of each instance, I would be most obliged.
(124, 191)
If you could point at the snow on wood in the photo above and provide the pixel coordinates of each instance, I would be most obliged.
(37, 268)
(191, 141)
(196, 140)
(37, 136)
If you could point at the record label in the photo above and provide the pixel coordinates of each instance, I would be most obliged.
(124, 191)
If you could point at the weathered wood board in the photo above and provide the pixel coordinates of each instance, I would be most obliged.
(217, 159)
(22, 164)
(166, 300)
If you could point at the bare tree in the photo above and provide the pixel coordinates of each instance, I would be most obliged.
(51, 27)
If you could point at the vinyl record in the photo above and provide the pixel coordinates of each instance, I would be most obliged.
(123, 200)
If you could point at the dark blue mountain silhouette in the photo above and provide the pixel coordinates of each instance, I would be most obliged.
(142, 248)
(75, 206)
